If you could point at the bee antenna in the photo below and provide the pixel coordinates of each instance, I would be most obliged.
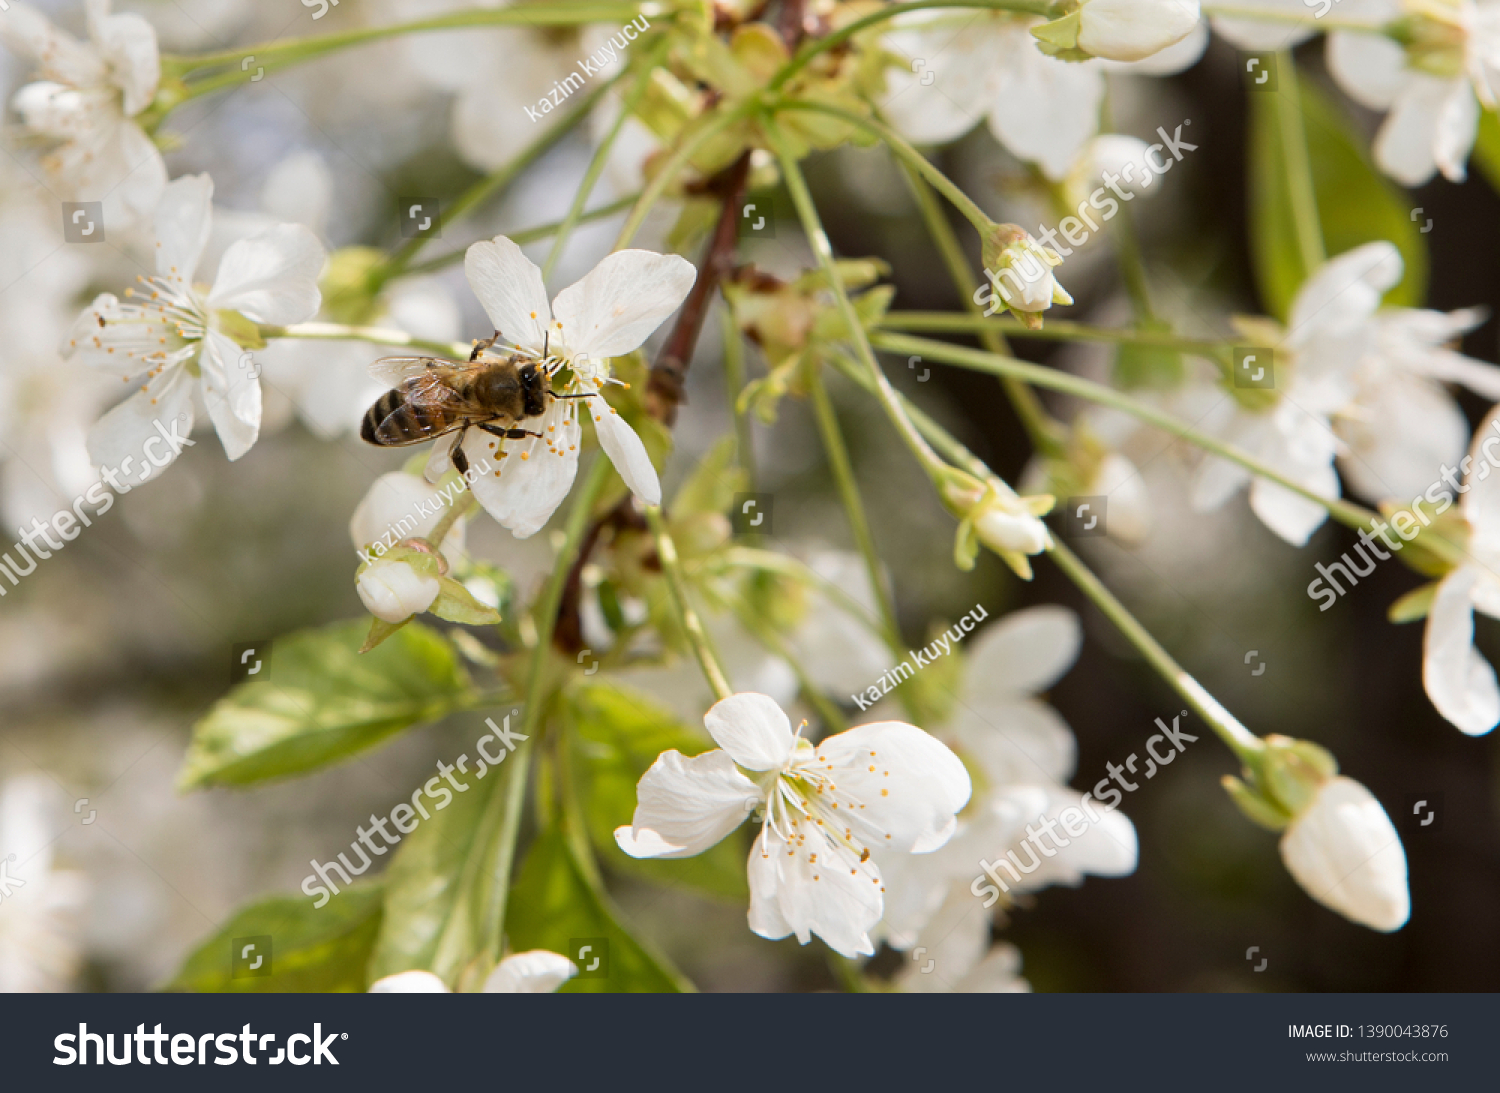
(546, 342)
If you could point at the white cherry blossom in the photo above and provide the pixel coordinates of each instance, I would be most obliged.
(85, 102)
(609, 313)
(1023, 754)
(174, 329)
(829, 814)
(957, 69)
(953, 953)
(534, 972)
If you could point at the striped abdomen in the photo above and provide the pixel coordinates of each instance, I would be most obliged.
(394, 420)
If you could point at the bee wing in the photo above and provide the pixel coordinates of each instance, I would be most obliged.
(394, 371)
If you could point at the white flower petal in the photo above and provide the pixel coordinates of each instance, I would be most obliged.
(231, 391)
(812, 888)
(272, 277)
(1016, 740)
(399, 506)
(1459, 681)
(1346, 291)
(128, 44)
(534, 972)
(1407, 428)
(1481, 504)
(183, 221)
(1406, 146)
(909, 785)
(1045, 110)
(945, 87)
(625, 451)
(523, 489)
(415, 981)
(510, 289)
(621, 301)
(116, 439)
(1022, 654)
(28, 33)
(1344, 853)
(684, 806)
(1371, 68)
(753, 729)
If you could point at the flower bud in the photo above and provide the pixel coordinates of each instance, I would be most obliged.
(1020, 271)
(395, 590)
(1344, 852)
(994, 515)
(1130, 30)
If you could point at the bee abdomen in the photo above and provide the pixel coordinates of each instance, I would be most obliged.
(393, 421)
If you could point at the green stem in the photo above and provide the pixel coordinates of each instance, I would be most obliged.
(601, 154)
(1344, 511)
(564, 14)
(341, 332)
(545, 619)
(491, 184)
(907, 154)
(1245, 744)
(521, 238)
(1127, 241)
(818, 239)
(942, 322)
(734, 381)
(456, 511)
(1304, 198)
(854, 509)
(813, 47)
(666, 551)
(1047, 435)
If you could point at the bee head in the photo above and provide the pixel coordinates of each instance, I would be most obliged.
(535, 383)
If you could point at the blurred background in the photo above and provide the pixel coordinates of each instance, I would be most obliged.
(113, 648)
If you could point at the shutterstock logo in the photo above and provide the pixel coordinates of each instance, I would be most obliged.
(186, 1049)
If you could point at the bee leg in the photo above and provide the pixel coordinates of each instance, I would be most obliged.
(508, 434)
(480, 347)
(460, 460)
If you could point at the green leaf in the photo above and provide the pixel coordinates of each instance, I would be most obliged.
(553, 907)
(457, 604)
(1356, 204)
(614, 735)
(425, 892)
(323, 701)
(314, 949)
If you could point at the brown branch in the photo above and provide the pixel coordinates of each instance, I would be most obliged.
(664, 390)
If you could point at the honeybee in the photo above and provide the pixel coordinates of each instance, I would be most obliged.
(431, 397)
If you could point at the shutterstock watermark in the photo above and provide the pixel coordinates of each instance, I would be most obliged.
(405, 817)
(1156, 159)
(921, 658)
(66, 521)
(1075, 820)
(1407, 523)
